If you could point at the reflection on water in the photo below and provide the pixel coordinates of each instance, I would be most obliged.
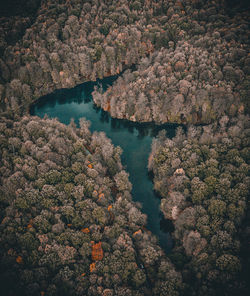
(134, 138)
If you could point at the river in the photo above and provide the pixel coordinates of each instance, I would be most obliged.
(134, 138)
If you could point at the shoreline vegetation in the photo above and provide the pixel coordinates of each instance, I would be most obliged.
(68, 222)
(202, 178)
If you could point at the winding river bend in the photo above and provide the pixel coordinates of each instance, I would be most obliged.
(134, 138)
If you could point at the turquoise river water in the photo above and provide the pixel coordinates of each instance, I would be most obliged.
(134, 138)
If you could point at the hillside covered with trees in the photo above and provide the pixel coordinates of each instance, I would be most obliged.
(202, 177)
(68, 222)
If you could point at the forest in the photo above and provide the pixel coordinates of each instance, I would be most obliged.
(68, 221)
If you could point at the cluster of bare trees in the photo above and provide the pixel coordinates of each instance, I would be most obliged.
(68, 222)
(203, 178)
(198, 75)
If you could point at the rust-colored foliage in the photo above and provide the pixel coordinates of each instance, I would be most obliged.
(19, 259)
(109, 207)
(137, 232)
(92, 267)
(97, 252)
(30, 224)
(107, 107)
(90, 166)
(101, 195)
(85, 230)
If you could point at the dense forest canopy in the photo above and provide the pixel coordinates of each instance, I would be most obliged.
(202, 178)
(69, 225)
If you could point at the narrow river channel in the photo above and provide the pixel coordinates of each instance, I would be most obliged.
(134, 138)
